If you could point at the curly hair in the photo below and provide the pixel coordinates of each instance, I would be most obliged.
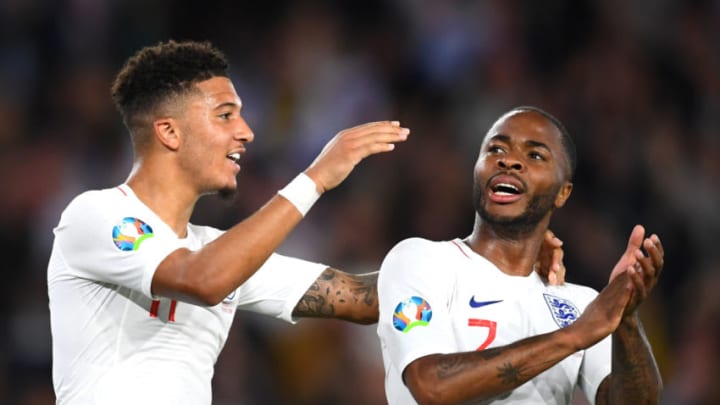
(565, 138)
(157, 73)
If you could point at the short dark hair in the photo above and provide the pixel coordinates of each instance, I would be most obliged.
(156, 73)
(565, 138)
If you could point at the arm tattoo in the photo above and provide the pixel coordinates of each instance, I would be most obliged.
(336, 294)
(314, 302)
(450, 366)
(509, 374)
(635, 377)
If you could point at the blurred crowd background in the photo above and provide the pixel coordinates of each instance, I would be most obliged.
(636, 83)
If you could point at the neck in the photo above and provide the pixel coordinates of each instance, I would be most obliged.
(164, 193)
(513, 251)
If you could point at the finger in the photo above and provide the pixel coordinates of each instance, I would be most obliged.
(553, 278)
(373, 124)
(656, 241)
(360, 140)
(374, 148)
(638, 281)
(636, 238)
(654, 253)
(552, 240)
(375, 128)
(561, 275)
(558, 265)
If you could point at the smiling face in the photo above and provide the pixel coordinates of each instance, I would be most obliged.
(212, 136)
(522, 171)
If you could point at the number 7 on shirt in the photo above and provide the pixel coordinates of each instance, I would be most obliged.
(492, 329)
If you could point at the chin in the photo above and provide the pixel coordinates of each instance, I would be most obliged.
(227, 193)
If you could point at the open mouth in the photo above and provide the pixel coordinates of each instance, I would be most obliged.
(234, 157)
(505, 188)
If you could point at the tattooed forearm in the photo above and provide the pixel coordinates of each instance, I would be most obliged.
(635, 377)
(470, 377)
(509, 374)
(450, 366)
(315, 303)
(340, 295)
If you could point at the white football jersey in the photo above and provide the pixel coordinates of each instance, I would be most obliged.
(113, 342)
(442, 297)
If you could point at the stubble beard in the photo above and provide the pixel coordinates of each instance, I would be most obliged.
(228, 194)
(515, 227)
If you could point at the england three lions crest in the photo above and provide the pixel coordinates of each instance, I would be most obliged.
(562, 310)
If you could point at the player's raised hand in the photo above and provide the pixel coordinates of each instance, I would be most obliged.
(349, 147)
(549, 264)
(632, 252)
(646, 271)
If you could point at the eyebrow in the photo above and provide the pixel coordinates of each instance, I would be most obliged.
(228, 104)
(535, 144)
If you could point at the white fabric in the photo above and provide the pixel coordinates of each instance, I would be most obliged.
(448, 275)
(107, 348)
(301, 192)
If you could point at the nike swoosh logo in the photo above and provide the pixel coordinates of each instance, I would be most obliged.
(478, 304)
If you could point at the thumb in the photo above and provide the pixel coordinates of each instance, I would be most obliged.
(635, 240)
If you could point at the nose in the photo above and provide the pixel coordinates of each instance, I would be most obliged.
(243, 132)
(509, 163)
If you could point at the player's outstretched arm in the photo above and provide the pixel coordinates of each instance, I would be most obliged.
(340, 295)
(208, 275)
(635, 378)
(480, 375)
(353, 297)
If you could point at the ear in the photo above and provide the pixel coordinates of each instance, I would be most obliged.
(167, 131)
(563, 194)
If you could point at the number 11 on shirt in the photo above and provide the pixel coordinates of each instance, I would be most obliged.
(155, 307)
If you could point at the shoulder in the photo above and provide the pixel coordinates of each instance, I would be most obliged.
(205, 233)
(93, 201)
(417, 247)
(580, 293)
(414, 255)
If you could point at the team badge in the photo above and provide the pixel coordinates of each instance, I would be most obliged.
(230, 297)
(410, 313)
(562, 310)
(130, 233)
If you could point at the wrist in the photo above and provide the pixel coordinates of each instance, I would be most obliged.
(302, 192)
(569, 338)
(630, 321)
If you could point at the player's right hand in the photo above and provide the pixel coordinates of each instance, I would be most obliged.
(349, 147)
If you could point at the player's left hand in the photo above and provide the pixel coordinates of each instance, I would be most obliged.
(645, 272)
(549, 264)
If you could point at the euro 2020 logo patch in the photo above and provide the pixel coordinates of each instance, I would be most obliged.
(410, 313)
(562, 310)
(130, 233)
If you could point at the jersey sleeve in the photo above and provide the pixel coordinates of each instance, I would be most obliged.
(278, 285)
(112, 243)
(595, 367)
(414, 292)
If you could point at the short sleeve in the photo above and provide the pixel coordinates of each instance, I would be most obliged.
(278, 285)
(596, 365)
(111, 241)
(414, 291)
